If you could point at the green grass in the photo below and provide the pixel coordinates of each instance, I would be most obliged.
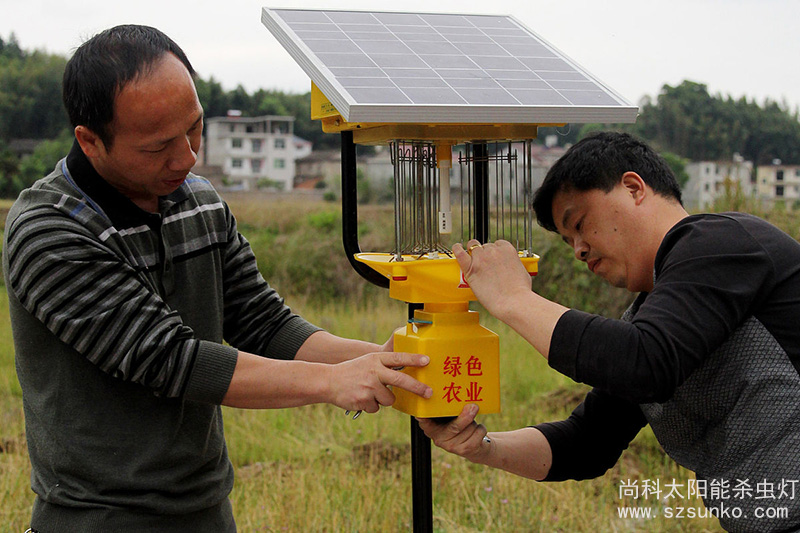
(313, 469)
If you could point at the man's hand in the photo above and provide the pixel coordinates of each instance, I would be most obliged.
(500, 282)
(462, 436)
(523, 451)
(362, 384)
(494, 273)
(388, 346)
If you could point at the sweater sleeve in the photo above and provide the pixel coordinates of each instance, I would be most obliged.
(592, 439)
(256, 318)
(705, 287)
(81, 289)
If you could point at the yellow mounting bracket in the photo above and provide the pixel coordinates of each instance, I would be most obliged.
(380, 133)
(332, 122)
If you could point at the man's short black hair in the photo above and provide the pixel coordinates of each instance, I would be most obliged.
(103, 65)
(598, 162)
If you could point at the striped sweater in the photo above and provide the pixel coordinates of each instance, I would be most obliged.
(119, 318)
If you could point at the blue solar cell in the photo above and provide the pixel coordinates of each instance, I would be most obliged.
(429, 67)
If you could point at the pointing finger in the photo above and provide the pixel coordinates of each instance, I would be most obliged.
(405, 382)
(400, 359)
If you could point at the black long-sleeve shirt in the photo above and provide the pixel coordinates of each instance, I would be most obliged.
(712, 272)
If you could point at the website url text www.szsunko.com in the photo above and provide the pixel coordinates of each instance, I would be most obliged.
(723, 511)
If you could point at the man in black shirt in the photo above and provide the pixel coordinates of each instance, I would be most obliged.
(708, 354)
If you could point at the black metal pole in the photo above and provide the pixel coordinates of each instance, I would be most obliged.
(421, 485)
(350, 212)
(480, 173)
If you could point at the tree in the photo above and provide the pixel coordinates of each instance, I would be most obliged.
(30, 93)
(688, 121)
(10, 184)
(18, 174)
(11, 48)
(213, 98)
(678, 166)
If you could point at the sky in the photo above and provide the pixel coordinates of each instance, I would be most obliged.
(736, 47)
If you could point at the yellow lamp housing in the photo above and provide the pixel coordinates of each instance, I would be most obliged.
(464, 366)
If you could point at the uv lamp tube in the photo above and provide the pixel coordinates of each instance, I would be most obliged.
(445, 163)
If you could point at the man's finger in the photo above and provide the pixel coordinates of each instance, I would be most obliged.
(464, 419)
(428, 426)
(459, 424)
(463, 258)
(383, 396)
(405, 382)
(398, 359)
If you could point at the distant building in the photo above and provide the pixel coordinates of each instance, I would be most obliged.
(377, 167)
(544, 156)
(326, 166)
(302, 147)
(778, 182)
(712, 180)
(23, 147)
(254, 151)
(319, 166)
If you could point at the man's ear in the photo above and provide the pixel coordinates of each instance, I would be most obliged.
(635, 186)
(90, 142)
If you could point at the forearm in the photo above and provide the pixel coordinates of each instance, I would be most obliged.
(524, 452)
(363, 383)
(591, 440)
(533, 317)
(324, 347)
(262, 383)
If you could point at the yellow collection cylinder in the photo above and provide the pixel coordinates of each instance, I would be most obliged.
(464, 366)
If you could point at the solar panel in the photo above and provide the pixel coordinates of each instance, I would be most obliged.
(431, 68)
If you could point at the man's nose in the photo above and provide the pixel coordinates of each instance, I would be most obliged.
(184, 157)
(581, 250)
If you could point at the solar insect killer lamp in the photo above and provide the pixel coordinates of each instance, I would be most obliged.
(457, 100)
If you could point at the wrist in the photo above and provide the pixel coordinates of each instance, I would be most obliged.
(485, 452)
(324, 382)
(508, 311)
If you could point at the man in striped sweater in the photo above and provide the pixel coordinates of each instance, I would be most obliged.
(125, 273)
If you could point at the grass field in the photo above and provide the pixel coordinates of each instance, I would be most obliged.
(313, 469)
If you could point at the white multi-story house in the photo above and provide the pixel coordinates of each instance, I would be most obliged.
(254, 151)
(778, 182)
(712, 180)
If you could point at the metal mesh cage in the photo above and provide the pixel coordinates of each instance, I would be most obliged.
(490, 186)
